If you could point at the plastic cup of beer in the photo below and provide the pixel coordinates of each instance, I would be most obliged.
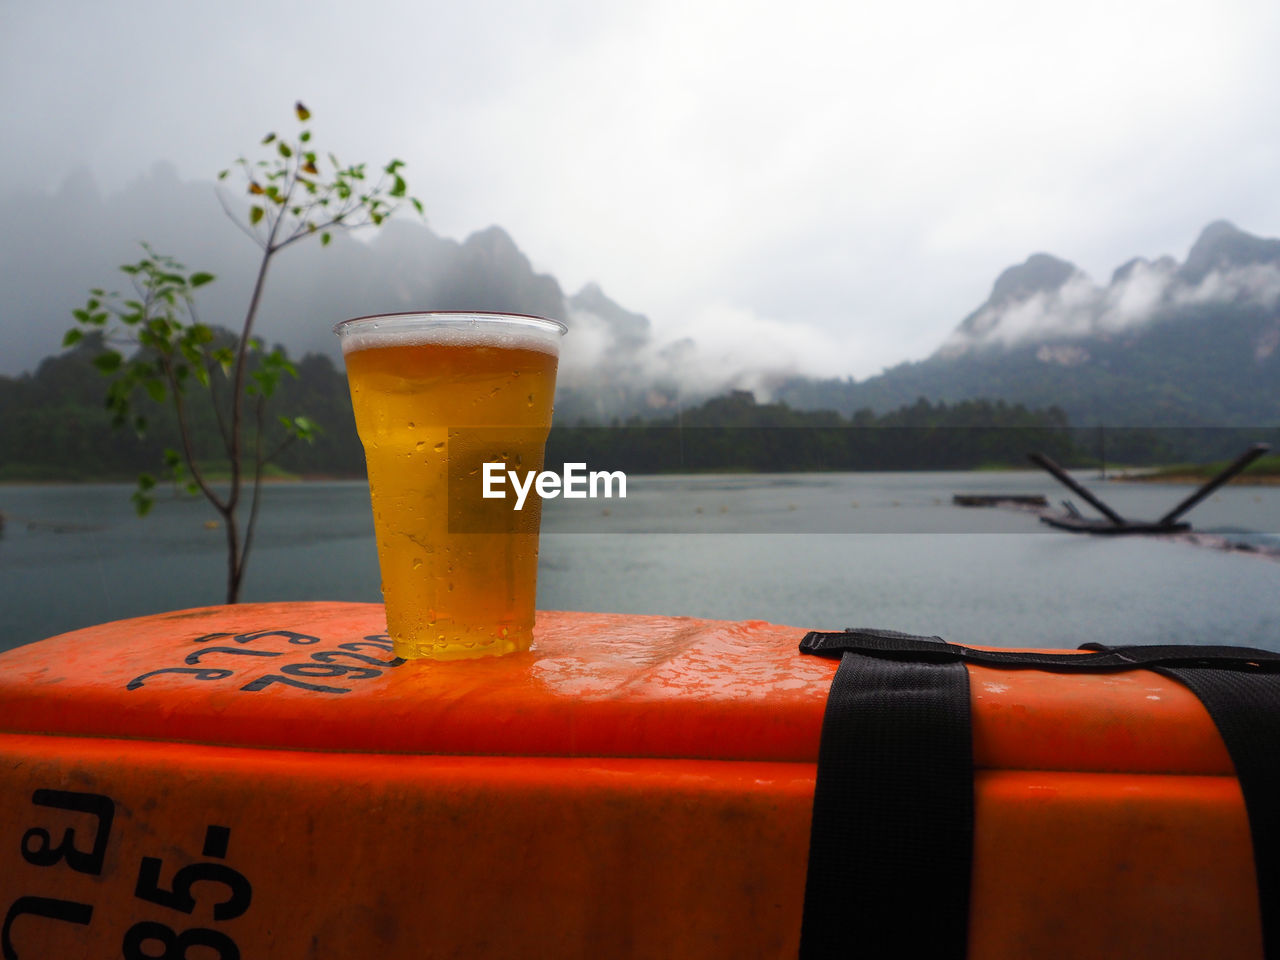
(436, 396)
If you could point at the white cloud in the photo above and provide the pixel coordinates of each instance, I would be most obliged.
(722, 347)
(1134, 300)
(1080, 308)
(1257, 284)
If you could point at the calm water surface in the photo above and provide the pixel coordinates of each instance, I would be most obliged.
(813, 551)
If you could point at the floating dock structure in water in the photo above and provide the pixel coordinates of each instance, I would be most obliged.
(1112, 523)
(1000, 500)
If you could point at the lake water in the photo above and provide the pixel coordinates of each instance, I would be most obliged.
(813, 550)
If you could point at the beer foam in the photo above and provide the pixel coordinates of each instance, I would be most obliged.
(504, 331)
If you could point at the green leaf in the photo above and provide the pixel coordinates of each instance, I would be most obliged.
(156, 390)
(222, 174)
(304, 428)
(200, 279)
(81, 315)
(146, 481)
(268, 138)
(284, 150)
(398, 189)
(417, 205)
(172, 458)
(108, 362)
(73, 336)
(325, 238)
(142, 503)
(266, 381)
(255, 214)
(304, 136)
(303, 113)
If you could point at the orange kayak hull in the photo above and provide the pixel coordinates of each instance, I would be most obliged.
(633, 786)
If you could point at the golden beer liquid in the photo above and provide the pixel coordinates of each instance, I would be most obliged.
(429, 415)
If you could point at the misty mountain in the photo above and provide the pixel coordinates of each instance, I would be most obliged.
(55, 248)
(1162, 343)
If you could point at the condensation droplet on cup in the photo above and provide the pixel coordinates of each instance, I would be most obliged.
(417, 562)
(439, 447)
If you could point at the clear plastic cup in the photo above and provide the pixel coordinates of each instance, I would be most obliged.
(436, 396)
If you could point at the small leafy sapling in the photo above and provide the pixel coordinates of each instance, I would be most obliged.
(155, 344)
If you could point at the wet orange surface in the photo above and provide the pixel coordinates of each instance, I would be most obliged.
(594, 685)
(633, 786)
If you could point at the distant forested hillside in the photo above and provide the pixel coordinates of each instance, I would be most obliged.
(53, 426)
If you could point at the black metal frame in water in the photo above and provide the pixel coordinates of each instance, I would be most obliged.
(1116, 524)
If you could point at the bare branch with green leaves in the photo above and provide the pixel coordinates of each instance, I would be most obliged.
(156, 346)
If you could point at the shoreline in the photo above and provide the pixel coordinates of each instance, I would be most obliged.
(132, 481)
(1154, 475)
(1196, 479)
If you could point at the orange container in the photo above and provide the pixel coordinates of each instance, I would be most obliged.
(266, 781)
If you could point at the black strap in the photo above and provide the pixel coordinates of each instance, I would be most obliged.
(904, 646)
(893, 804)
(892, 833)
(1245, 708)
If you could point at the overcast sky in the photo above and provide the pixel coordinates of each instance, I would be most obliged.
(850, 175)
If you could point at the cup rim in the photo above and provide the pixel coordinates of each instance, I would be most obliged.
(453, 317)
